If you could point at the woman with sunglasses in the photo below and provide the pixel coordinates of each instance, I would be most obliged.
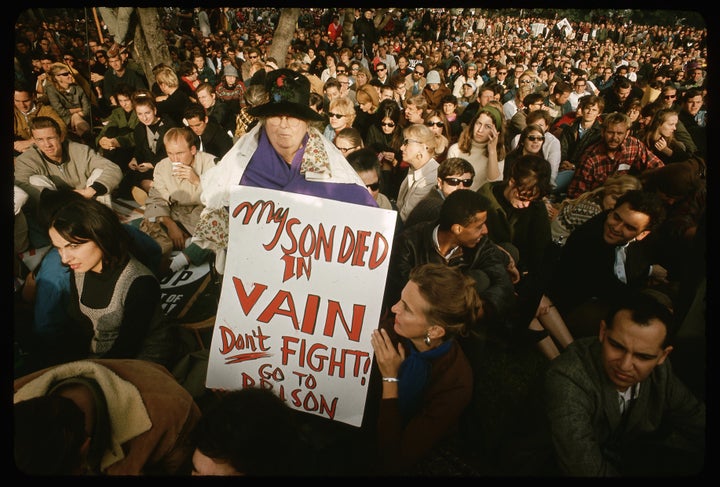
(70, 102)
(519, 220)
(385, 137)
(341, 114)
(531, 142)
(419, 149)
(438, 123)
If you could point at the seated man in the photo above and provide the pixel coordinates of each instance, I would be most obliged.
(173, 207)
(211, 137)
(616, 151)
(57, 163)
(103, 417)
(615, 406)
(458, 237)
(453, 173)
(605, 257)
(26, 108)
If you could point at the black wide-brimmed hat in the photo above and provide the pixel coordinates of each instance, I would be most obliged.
(289, 94)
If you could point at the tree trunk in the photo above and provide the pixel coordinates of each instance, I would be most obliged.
(287, 24)
(150, 47)
(348, 26)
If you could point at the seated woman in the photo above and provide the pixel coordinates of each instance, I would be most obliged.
(115, 305)
(70, 102)
(149, 145)
(385, 137)
(519, 219)
(341, 113)
(116, 140)
(659, 136)
(427, 379)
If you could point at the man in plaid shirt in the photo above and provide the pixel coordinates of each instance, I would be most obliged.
(616, 152)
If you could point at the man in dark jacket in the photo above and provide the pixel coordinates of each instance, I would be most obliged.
(457, 238)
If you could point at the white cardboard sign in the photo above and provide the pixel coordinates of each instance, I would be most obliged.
(301, 293)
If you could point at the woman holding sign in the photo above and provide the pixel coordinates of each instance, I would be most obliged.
(282, 152)
(427, 379)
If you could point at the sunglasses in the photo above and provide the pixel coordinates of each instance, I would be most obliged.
(380, 69)
(502, 72)
(373, 186)
(535, 138)
(526, 81)
(66, 73)
(407, 141)
(669, 97)
(387, 124)
(419, 73)
(336, 115)
(435, 124)
(345, 149)
(341, 72)
(455, 181)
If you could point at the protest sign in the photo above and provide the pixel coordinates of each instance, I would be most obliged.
(302, 291)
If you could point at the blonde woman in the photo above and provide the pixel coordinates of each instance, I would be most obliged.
(419, 149)
(69, 101)
(480, 143)
(341, 113)
(574, 212)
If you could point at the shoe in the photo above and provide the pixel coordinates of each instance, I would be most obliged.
(139, 195)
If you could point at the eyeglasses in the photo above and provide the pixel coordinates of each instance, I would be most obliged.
(407, 141)
(275, 120)
(335, 115)
(345, 149)
(528, 195)
(66, 73)
(387, 124)
(535, 138)
(435, 124)
(670, 97)
(373, 186)
(455, 181)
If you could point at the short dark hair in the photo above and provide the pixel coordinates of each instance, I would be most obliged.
(461, 206)
(253, 430)
(644, 306)
(647, 202)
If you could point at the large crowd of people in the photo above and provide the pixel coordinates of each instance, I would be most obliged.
(549, 179)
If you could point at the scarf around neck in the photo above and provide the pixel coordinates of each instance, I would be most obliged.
(414, 374)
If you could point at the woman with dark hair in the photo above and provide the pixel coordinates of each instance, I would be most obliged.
(531, 141)
(519, 220)
(149, 145)
(115, 305)
(385, 137)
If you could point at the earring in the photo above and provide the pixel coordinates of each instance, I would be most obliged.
(427, 338)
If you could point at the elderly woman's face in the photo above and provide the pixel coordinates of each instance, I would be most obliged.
(285, 133)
